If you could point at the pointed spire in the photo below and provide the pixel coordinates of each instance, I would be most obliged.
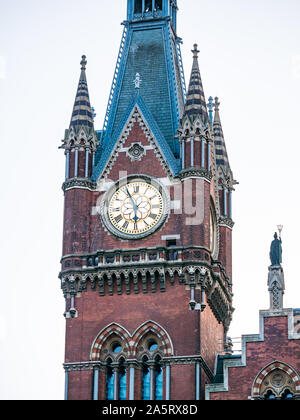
(82, 112)
(221, 152)
(195, 99)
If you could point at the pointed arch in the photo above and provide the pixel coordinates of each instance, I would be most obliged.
(103, 336)
(156, 329)
(267, 370)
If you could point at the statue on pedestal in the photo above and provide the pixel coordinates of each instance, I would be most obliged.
(276, 251)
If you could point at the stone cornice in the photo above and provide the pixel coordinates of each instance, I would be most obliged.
(226, 221)
(173, 360)
(79, 183)
(158, 275)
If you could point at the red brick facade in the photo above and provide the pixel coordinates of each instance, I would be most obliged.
(194, 336)
(275, 351)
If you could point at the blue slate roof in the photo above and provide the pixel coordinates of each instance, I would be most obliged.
(136, 100)
(151, 49)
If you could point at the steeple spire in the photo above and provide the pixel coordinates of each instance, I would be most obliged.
(82, 114)
(195, 99)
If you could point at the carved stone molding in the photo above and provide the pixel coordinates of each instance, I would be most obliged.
(195, 172)
(82, 183)
(226, 221)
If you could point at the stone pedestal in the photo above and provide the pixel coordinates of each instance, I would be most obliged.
(276, 287)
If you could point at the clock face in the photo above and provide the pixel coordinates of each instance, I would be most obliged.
(136, 209)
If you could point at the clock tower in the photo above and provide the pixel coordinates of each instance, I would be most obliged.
(146, 268)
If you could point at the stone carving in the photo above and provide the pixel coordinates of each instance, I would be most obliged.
(136, 152)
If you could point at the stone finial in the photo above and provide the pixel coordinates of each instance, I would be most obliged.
(83, 62)
(195, 51)
(217, 104)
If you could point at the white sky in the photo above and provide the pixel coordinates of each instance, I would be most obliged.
(250, 59)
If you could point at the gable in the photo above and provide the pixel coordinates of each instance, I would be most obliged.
(136, 146)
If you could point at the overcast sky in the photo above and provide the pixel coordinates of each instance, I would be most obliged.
(250, 59)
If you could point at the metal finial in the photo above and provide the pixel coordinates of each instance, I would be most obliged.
(280, 227)
(83, 62)
(210, 107)
(210, 103)
(195, 51)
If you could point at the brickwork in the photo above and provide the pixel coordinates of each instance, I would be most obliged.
(132, 295)
(273, 349)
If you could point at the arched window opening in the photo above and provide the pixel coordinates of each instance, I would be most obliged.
(146, 380)
(270, 395)
(159, 380)
(279, 384)
(122, 381)
(138, 7)
(287, 395)
(116, 348)
(148, 6)
(152, 346)
(109, 381)
(158, 5)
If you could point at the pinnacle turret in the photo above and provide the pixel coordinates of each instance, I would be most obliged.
(195, 104)
(80, 141)
(220, 146)
(82, 114)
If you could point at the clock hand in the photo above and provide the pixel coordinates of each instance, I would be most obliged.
(135, 207)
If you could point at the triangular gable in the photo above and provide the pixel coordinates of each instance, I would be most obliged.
(155, 135)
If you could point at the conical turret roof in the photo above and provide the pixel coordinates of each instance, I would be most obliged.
(220, 146)
(82, 114)
(195, 104)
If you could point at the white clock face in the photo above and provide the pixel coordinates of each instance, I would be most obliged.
(136, 209)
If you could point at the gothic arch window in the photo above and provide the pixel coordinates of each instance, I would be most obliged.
(115, 349)
(276, 382)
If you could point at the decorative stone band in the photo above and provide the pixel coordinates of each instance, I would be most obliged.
(172, 361)
(79, 183)
(226, 221)
(131, 341)
(195, 173)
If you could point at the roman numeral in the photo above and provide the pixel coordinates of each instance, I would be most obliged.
(118, 218)
(117, 209)
(155, 206)
(153, 216)
(125, 226)
(136, 189)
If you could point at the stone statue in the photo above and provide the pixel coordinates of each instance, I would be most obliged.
(276, 251)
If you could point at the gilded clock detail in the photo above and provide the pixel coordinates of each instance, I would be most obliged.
(136, 208)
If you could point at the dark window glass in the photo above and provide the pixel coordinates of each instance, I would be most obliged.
(109, 384)
(138, 6)
(158, 4)
(148, 6)
(145, 383)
